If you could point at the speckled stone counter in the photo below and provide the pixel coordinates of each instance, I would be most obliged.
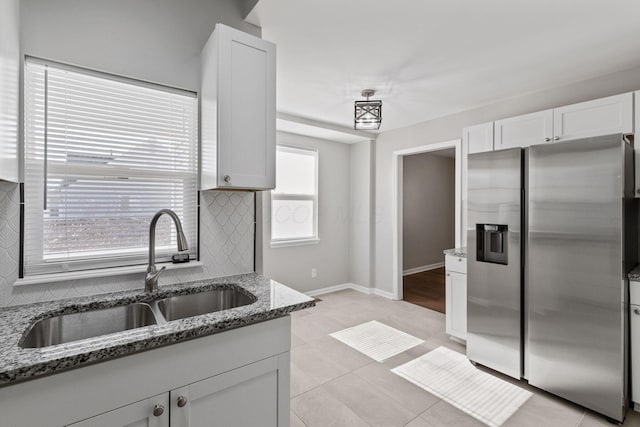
(18, 364)
(635, 274)
(459, 252)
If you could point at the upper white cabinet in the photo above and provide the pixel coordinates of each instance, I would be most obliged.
(9, 87)
(238, 112)
(613, 114)
(478, 138)
(525, 130)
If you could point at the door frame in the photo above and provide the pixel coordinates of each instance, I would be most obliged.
(397, 197)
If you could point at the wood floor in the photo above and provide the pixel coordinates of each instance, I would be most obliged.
(426, 289)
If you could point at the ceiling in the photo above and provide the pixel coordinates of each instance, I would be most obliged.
(428, 58)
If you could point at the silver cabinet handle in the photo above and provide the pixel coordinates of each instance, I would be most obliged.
(555, 138)
(181, 401)
(547, 139)
(636, 311)
(227, 178)
(158, 410)
(459, 259)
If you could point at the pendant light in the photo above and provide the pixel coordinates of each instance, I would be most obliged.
(368, 114)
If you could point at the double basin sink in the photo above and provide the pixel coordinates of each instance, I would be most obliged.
(70, 327)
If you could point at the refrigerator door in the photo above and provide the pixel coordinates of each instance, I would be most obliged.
(494, 260)
(575, 286)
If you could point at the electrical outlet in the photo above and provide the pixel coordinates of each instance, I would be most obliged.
(314, 273)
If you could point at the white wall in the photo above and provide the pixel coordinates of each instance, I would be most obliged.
(428, 208)
(450, 127)
(330, 257)
(153, 40)
(360, 225)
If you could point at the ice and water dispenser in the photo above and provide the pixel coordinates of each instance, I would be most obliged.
(493, 243)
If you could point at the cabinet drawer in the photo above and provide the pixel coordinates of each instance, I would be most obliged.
(456, 264)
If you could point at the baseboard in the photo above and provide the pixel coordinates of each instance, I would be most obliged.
(353, 286)
(423, 268)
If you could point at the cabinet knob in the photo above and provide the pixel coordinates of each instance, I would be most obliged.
(636, 311)
(158, 410)
(182, 401)
(448, 275)
(555, 138)
(227, 178)
(459, 259)
(547, 139)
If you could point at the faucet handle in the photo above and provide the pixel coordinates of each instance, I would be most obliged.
(151, 280)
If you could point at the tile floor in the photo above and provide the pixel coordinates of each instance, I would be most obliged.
(334, 385)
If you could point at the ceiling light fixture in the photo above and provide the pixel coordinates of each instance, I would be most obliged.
(368, 114)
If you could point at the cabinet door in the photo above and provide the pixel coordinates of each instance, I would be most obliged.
(604, 116)
(456, 305)
(524, 131)
(9, 86)
(635, 354)
(254, 395)
(478, 138)
(139, 414)
(247, 111)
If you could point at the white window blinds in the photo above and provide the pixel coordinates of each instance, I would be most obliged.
(102, 155)
(294, 201)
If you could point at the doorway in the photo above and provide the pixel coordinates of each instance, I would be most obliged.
(428, 217)
(432, 180)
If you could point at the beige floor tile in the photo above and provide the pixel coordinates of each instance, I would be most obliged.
(315, 326)
(545, 410)
(418, 422)
(310, 368)
(591, 419)
(319, 408)
(444, 415)
(340, 353)
(400, 390)
(295, 421)
(368, 401)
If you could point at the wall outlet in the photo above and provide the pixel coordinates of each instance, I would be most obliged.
(314, 273)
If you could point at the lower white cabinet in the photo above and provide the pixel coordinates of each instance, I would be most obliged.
(634, 290)
(238, 378)
(152, 412)
(456, 296)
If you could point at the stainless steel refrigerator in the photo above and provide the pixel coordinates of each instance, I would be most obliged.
(547, 289)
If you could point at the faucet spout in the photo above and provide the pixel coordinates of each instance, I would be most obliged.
(151, 279)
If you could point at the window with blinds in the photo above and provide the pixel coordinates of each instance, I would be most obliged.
(102, 155)
(294, 201)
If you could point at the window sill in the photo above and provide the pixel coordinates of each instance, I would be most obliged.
(101, 272)
(289, 243)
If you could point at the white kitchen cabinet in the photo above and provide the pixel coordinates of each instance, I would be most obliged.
(637, 143)
(153, 412)
(233, 378)
(9, 87)
(245, 397)
(238, 111)
(478, 138)
(634, 291)
(604, 116)
(456, 296)
(524, 131)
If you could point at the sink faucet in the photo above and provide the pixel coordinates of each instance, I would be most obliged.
(151, 280)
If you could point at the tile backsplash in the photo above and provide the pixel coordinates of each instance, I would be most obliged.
(226, 248)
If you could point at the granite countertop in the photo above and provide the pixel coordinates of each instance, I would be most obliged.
(459, 252)
(19, 364)
(635, 274)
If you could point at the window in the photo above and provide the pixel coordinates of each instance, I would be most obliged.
(102, 155)
(294, 202)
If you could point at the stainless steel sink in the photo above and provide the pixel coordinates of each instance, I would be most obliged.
(182, 306)
(76, 326)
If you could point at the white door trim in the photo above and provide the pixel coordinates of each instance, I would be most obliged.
(396, 168)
